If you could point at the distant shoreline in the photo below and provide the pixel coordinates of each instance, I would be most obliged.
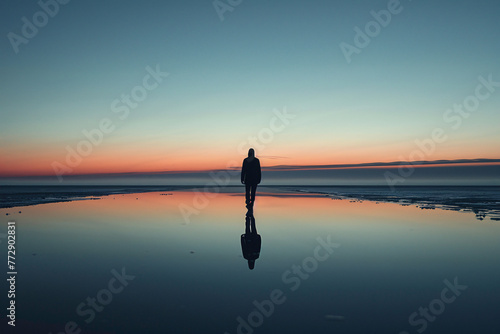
(17, 196)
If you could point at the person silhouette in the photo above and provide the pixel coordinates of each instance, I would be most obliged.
(250, 177)
(250, 241)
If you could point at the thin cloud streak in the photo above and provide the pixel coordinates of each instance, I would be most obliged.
(471, 162)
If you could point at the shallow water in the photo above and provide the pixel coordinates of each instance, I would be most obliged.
(384, 262)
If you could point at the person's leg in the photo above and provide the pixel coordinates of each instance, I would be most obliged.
(254, 189)
(247, 193)
(247, 224)
(252, 224)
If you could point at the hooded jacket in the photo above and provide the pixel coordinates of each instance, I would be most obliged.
(250, 171)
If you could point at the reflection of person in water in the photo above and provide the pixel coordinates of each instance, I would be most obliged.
(250, 241)
(250, 176)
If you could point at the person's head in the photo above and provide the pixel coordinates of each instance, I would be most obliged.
(251, 264)
(251, 153)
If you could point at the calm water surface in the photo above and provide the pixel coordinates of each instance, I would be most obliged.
(134, 264)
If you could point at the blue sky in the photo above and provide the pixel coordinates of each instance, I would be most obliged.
(226, 77)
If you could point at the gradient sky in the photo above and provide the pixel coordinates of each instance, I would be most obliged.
(227, 77)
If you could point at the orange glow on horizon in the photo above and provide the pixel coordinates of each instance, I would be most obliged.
(23, 162)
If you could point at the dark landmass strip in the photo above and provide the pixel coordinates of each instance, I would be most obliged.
(14, 196)
(482, 201)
